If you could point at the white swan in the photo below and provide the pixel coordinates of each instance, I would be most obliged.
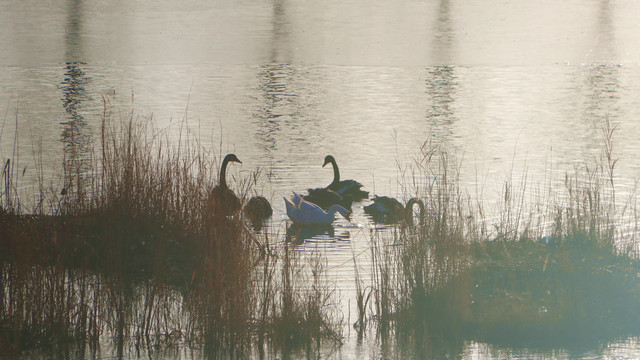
(304, 212)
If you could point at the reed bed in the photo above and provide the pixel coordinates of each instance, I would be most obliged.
(412, 268)
(129, 253)
(550, 269)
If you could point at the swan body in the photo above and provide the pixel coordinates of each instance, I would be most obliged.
(388, 210)
(340, 192)
(222, 200)
(384, 205)
(325, 197)
(303, 212)
(344, 187)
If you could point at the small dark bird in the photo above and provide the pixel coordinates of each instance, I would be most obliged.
(387, 210)
(257, 210)
(222, 201)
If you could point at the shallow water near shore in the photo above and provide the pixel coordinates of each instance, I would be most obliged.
(512, 91)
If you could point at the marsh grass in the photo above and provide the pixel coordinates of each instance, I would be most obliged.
(549, 270)
(129, 253)
(564, 281)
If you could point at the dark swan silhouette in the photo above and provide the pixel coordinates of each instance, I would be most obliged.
(324, 198)
(387, 210)
(341, 192)
(257, 210)
(222, 201)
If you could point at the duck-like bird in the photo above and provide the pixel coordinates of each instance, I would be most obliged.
(341, 192)
(257, 210)
(303, 212)
(388, 210)
(222, 201)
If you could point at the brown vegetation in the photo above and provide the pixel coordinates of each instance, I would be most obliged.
(129, 252)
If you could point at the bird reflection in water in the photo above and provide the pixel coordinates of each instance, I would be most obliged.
(326, 233)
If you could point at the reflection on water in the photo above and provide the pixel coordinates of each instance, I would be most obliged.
(444, 35)
(273, 80)
(327, 233)
(280, 47)
(75, 136)
(604, 33)
(441, 90)
(602, 93)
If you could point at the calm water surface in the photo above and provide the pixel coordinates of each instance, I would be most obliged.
(504, 86)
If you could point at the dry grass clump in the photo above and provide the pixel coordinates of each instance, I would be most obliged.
(527, 277)
(303, 316)
(430, 255)
(574, 293)
(569, 282)
(413, 268)
(130, 253)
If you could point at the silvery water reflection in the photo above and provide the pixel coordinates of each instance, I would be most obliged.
(505, 87)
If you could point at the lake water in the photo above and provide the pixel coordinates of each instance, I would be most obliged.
(507, 87)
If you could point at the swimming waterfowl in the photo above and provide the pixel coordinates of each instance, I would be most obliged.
(303, 212)
(388, 210)
(324, 198)
(223, 201)
(257, 210)
(348, 190)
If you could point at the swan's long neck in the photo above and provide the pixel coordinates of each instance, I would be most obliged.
(410, 204)
(336, 172)
(223, 172)
(337, 208)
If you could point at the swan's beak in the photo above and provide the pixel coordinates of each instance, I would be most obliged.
(348, 217)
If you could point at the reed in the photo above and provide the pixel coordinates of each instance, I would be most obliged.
(571, 273)
(532, 274)
(129, 253)
(430, 254)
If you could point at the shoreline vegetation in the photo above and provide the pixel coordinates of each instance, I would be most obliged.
(128, 253)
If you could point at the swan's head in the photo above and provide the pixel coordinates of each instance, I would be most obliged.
(328, 159)
(344, 212)
(232, 157)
